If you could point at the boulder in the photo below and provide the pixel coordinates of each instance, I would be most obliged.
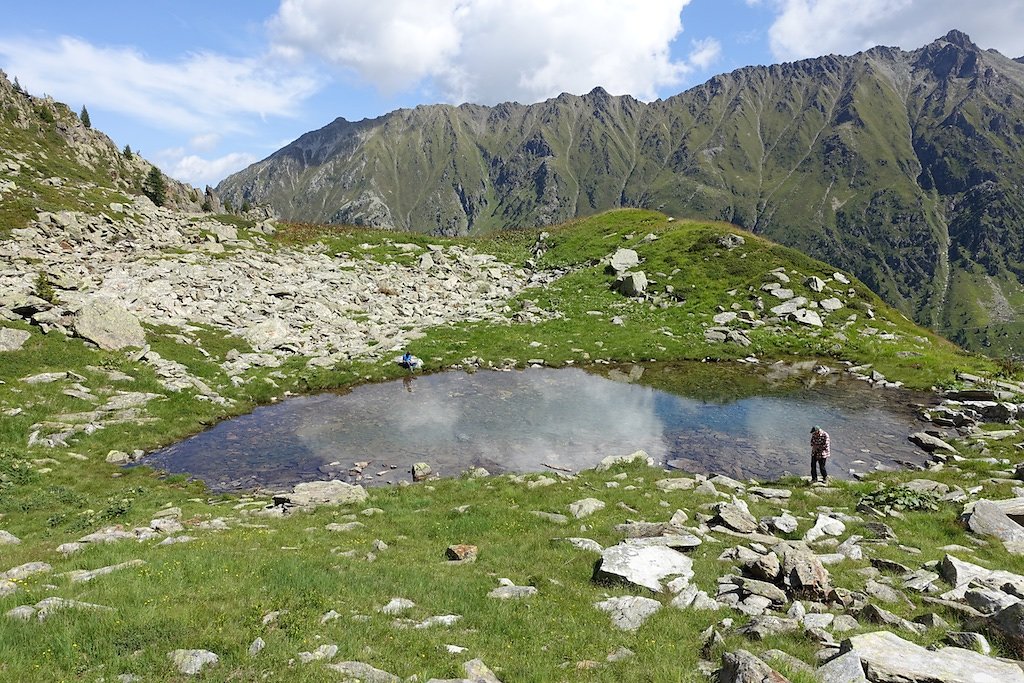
(268, 334)
(624, 259)
(643, 566)
(12, 339)
(586, 507)
(613, 460)
(191, 662)
(730, 241)
(815, 284)
(628, 612)
(843, 669)
(988, 519)
(735, 516)
(315, 493)
(632, 284)
(887, 657)
(824, 525)
(358, 671)
(743, 667)
(1009, 623)
(806, 316)
(108, 325)
(930, 443)
(803, 572)
(831, 304)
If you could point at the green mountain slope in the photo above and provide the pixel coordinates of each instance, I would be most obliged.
(51, 161)
(902, 167)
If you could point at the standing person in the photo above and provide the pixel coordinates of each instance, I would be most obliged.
(820, 450)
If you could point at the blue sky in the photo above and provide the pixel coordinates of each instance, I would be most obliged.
(205, 88)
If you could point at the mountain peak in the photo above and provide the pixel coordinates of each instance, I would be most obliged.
(960, 39)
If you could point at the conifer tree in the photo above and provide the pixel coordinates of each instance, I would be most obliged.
(86, 121)
(154, 186)
(127, 152)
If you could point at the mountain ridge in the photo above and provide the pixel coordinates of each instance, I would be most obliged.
(902, 167)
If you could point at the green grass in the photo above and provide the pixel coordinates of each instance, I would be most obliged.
(214, 592)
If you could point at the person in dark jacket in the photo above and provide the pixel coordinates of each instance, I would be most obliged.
(821, 447)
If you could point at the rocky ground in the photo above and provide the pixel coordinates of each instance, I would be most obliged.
(766, 566)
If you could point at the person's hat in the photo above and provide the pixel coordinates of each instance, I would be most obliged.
(815, 428)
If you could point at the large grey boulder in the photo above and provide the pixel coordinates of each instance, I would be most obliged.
(633, 283)
(736, 516)
(629, 612)
(365, 673)
(929, 443)
(7, 538)
(1009, 623)
(585, 507)
(108, 325)
(643, 566)
(268, 334)
(806, 316)
(843, 669)
(803, 573)
(743, 667)
(988, 519)
(887, 658)
(12, 339)
(314, 493)
(624, 259)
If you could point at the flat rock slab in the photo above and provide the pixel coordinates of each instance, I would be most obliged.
(929, 443)
(363, 672)
(586, 507)
(109, 325)
(988, 519)
(629, 612)
(674, 541)
(12, 339)
(313, 493)
(643, 566)
(888, 658)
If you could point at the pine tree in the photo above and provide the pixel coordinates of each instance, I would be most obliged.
(154, 186)
(127, 152)
(86, 121)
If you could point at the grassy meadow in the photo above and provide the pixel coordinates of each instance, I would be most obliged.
(214, 592)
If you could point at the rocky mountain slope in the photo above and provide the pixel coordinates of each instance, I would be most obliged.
(50, 160)
(902, 167)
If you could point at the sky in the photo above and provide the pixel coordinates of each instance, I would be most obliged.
(205, 88)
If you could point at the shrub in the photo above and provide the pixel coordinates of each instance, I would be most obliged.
(899, 498)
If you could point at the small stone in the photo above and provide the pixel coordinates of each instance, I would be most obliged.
(461, 552)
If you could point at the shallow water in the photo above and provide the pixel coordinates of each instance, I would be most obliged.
(549, 418)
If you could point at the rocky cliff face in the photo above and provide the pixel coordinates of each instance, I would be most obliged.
(50, 160)
(904, 167)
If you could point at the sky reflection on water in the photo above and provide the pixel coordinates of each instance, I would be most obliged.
(528, 420)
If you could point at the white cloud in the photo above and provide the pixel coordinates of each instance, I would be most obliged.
(197, 92)
(196, 170)
(490, 50)
(705, 53)
(808, 28)
(205, 142)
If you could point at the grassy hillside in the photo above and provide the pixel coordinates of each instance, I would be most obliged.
(217, 591)
(901, 167)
